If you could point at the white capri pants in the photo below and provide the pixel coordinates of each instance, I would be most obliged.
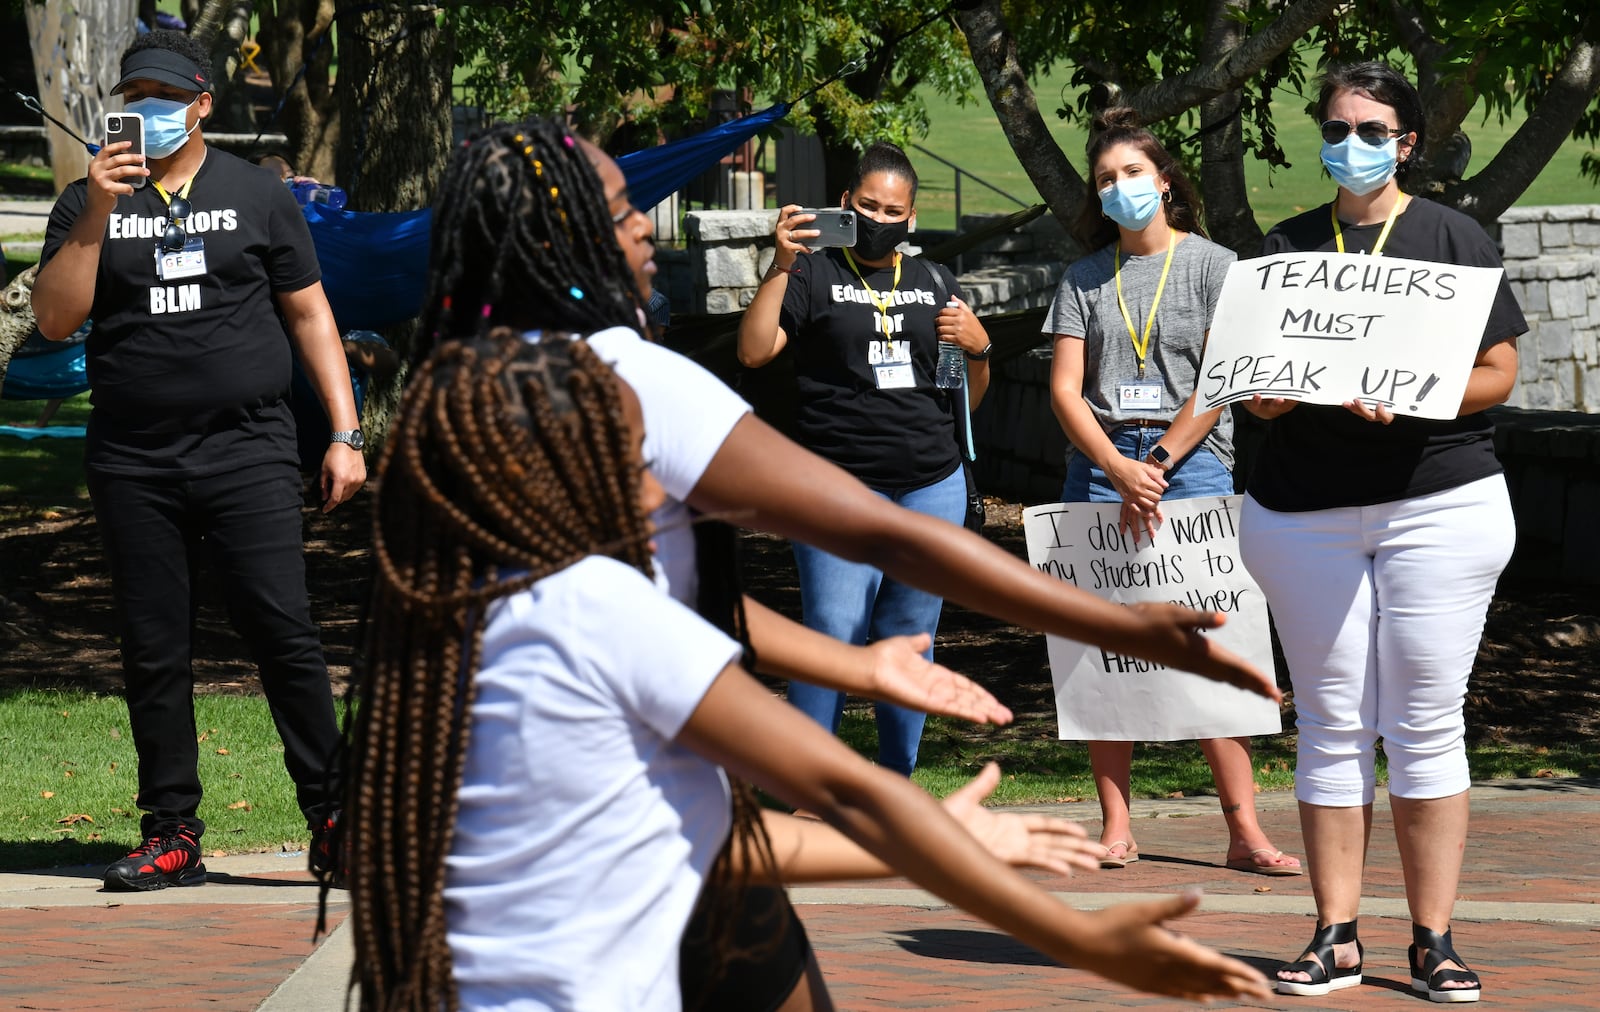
(1380, 610)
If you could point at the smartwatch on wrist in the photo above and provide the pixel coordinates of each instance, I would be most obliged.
(1159, 456)
(351, 438)
(983, 355)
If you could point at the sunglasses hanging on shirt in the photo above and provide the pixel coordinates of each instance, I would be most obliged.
(175, 236)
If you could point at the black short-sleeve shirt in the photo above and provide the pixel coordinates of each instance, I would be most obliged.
(189, 377)
(1322, 456)
(867, 399)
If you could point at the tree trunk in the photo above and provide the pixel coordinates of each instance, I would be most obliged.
(77, 50)
(1488, 193)
(16, 316)
(994, 52)
(295, 34)
(1229, 217)
(395, 103)
(222, 28)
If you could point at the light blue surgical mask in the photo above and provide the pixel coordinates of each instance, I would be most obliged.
(165, 129)
(1358, 166)
(1131, 203)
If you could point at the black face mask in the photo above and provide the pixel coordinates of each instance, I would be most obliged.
(876, 239)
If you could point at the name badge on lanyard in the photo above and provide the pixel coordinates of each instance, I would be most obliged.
(189, 262)
(894, 377)
(1142, 394)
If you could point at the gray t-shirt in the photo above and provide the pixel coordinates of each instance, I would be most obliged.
(1085, 307)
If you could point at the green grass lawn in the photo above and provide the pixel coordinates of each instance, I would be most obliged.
(69, 779)
(67, 787)
(39, 477)
(971, 137)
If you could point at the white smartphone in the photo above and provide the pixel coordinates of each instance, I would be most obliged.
(128, 126)
(837, 226)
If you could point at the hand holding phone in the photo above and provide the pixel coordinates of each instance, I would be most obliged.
(128, 126)
(836, 226)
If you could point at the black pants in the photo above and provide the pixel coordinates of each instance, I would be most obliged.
(247, 524)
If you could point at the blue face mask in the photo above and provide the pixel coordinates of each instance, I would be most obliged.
(1358, 166)
(165, 124)
(1131, 203)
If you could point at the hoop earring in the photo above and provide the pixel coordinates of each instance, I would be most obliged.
(1166, 195)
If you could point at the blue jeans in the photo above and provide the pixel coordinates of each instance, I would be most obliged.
(857, 604)
(1198, 474)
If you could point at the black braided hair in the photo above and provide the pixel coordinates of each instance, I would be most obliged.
(523, 238)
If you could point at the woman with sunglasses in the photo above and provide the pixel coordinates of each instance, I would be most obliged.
(1378, 540)
(1129, 324)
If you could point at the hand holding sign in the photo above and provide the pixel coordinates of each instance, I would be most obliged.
(1337, 328)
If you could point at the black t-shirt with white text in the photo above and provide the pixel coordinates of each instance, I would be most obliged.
(189, 376)
(867, 398)
(1321, 456)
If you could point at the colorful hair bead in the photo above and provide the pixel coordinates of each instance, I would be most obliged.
(575, 292)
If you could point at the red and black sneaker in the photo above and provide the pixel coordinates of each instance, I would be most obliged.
(168, 859)
(328, 862)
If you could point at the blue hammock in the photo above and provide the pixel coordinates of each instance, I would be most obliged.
(375, 266)
(43, 370)
(654, 174)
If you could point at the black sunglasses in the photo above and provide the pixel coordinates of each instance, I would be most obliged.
(1374, 131)
(175, 238)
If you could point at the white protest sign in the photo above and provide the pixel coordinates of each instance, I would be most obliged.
(1193, 560)
(1332, 327)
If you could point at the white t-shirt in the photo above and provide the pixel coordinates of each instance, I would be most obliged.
(688, 414)
(584, 832)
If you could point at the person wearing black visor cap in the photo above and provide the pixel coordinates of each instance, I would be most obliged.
(203, 286)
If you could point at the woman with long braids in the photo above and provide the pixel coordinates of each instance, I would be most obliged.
(539, 798)
(502, 250)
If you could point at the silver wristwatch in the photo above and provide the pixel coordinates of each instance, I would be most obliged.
(352, 438)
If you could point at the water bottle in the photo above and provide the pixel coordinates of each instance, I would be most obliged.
(951, 371)
(310, 192)
(952, 364)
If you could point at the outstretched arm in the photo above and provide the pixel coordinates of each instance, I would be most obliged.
(812, 851)
(738, 720)
(776, 485)
(892, 670)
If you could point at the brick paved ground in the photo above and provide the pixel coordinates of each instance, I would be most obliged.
(1528, 920)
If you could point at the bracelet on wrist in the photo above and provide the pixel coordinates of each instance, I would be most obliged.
(982, 356)
(773, 270)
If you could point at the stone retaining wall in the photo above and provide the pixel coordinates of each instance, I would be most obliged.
(1552, 257)
(728, 251)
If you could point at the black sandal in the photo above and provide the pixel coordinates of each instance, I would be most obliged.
(1324, 973)
(1428, 979)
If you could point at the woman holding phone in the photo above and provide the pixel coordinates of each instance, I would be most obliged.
(866, 323)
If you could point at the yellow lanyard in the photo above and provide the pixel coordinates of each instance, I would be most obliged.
(1140, 348)
(1338, 234)
(883, 304)
(183, 191)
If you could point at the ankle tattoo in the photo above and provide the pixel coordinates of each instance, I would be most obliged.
(1230, 809)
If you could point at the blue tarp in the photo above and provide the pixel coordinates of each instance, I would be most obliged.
(41, 371)
(656, 173)
(374, 266)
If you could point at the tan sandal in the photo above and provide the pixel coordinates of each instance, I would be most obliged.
(1251, 864)
(1130, 854)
